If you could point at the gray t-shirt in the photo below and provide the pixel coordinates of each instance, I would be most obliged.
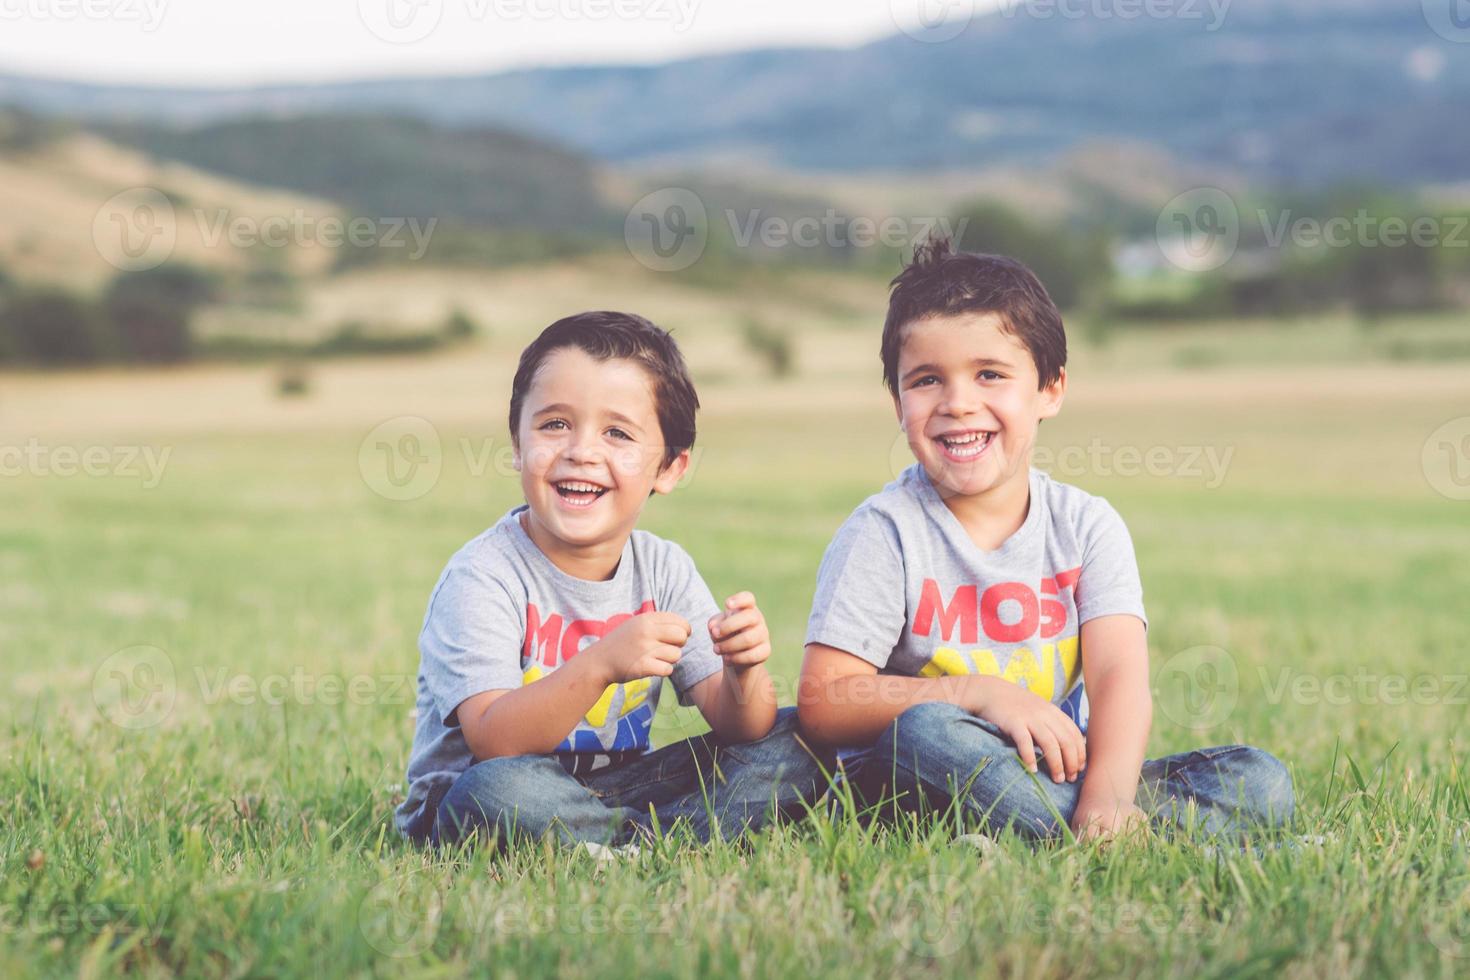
(502, 615)
(904, 587)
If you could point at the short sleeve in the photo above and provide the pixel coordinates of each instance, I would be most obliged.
(859, 606)
(471, 640)
(682, 590)
(1109, 583)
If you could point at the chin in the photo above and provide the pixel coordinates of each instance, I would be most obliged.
(579, 526)
(573, 530)
(961, 488)
(956, 480)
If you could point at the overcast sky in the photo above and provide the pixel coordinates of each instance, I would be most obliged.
(229, 42)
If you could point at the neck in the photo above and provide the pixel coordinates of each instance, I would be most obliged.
(594, 562)
(994, 515)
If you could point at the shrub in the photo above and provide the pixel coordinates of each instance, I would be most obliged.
(771, 345)
(293, 378)
(51, 326)
(459, 326)
(1073, 265)
(151, 310)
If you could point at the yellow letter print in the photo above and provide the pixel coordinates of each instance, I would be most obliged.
(634, 694)
(1035, 674)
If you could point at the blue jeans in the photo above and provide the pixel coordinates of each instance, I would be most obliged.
(714, 788)
(935, 754)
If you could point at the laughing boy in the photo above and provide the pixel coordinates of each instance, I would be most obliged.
(977, 616)
(548, 638)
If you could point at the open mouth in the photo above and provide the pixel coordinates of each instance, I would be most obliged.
(965, 446)
(579, 493)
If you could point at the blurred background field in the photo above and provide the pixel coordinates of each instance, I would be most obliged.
(236, 451)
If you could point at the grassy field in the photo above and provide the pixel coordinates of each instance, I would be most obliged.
(210, 677)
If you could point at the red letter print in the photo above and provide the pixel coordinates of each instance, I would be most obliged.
(961, 608)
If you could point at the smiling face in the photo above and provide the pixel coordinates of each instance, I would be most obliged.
(969, 403)
(589, 449)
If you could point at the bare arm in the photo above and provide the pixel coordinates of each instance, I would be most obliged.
(845, 701)
(533, 719)
(739, 702)
(1115, 671)
(740, 707)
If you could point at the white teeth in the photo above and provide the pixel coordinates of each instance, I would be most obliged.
(573, 486)
(969, 444)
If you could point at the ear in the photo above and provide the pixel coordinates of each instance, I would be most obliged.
(898, 410)
(515, 454)
(1053, 394)
(668, 478)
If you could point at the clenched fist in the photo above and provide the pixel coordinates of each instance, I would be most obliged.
(740, 633)
(647, 645)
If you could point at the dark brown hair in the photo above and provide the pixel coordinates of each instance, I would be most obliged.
(942, 282)
(604, 335)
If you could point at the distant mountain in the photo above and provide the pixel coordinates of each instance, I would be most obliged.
(1294, 91)
(58, 188)
(387, 165)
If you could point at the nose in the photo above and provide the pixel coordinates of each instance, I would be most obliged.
(959, 401)
(582, 449)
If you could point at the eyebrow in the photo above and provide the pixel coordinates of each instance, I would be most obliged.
(620, 417)
(974, 362)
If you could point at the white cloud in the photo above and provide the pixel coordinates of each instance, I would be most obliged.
(230, 42)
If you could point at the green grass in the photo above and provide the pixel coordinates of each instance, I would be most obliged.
(234, 837)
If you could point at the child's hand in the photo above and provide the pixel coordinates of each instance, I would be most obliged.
(740, 633)
(1106, 819)
(1033, 723)
(647, 645)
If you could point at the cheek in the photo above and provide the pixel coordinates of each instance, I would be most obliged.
(916, 409)
(632, 462)
(537, 454)
(1017, 410)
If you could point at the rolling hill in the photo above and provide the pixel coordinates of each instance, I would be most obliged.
(57, 196)
(1291, 91)
(392, 165)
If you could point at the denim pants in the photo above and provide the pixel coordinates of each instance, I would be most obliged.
(936, 754)
(714, 788)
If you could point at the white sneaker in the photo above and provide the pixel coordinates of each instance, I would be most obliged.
(603, 854)
(980, 842)
(1300, 842)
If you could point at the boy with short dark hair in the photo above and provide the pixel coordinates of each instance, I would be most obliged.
(548, 637)
(977, 615)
